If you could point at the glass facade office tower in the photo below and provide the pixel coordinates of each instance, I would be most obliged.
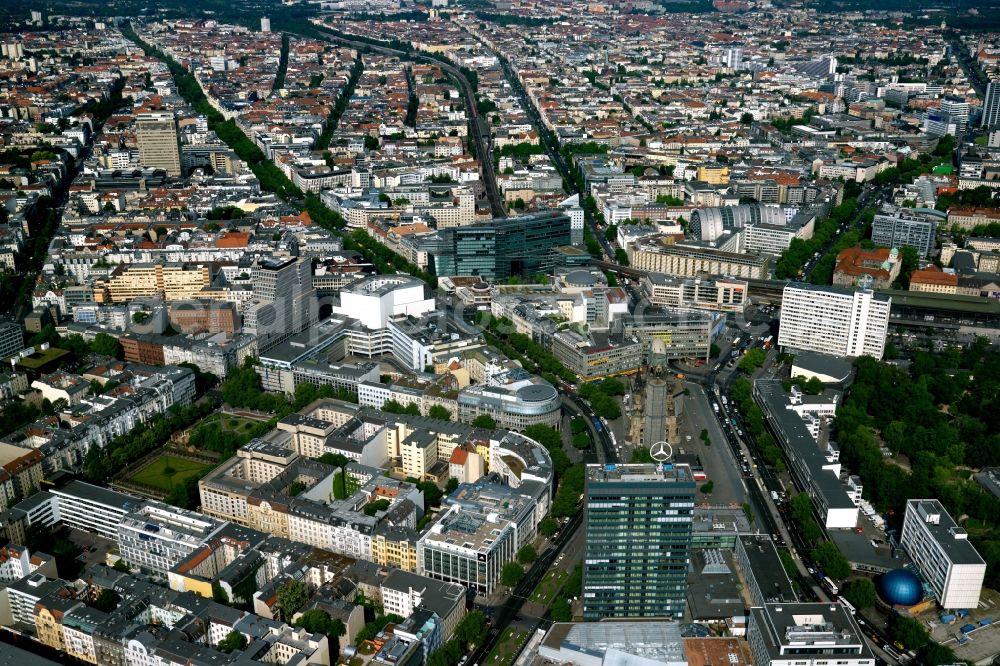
(638, 522)
(501, 248)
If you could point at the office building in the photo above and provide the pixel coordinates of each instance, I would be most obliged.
(516, 406)
(265, 24)
(797, 420)
(833, 320)
(943, 554)
(646, 643)
(374, 300)
(710, 293)
(157, 536)
(593, 356)
(468, 546)
(902, 229)
(502, 248)
(991, 105)
(91, 508)
(284, 300)
(763, 571)
(159, 145)
(806, 634)
(957, 109)
(11, 339)
(692, 261)
(637, 520)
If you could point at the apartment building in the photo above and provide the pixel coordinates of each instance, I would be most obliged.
(170, 282)
(404, 592)
(941, 549)
(834, 320)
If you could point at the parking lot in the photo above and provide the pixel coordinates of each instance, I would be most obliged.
(95, 547)
(982, 643)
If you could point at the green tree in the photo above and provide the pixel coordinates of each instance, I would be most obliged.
(511, 574)
(908, 631)
(234, 640)
(372, 508)
(753, 360)
(548, 526)
(471, 629)
(832, 561)
(485, 421)
(860, 592)
(318, 621)
(527, 554)
(292, 596)
(439, 412)
(561, 611)
(106, 345)
(107, 600)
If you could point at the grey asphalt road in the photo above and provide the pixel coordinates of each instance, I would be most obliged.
(717, 459)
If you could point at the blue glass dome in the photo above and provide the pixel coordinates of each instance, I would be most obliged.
(900, 587)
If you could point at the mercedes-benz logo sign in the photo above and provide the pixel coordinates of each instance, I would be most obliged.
(661, 451)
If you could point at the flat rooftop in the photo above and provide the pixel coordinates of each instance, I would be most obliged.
(639, 473)
(658, 641)
(954, 540)
(91, 493)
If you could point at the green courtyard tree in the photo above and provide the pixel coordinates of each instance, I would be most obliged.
(234, 640)
(439, 412)
(291, 597)
(485, 421)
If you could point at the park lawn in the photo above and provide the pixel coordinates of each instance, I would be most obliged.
(154, 474)
(547, 589)
(227, 422)
(507, 648)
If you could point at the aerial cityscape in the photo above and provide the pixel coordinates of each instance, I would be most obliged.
(500, 332)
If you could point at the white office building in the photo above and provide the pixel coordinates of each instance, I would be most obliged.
(943, 553)
(991, 105)
(374, 300)
(92, 508)
(833, 320)
(158, 536)
(806, 634)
